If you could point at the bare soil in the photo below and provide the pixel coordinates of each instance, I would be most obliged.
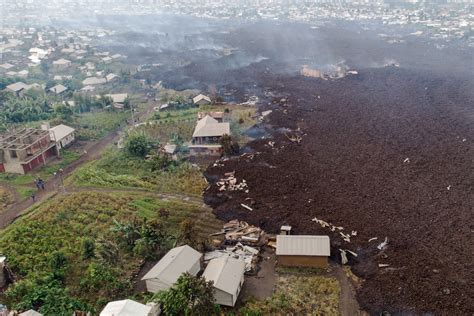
(351, 169)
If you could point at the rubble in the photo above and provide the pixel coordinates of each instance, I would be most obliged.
(230, 183)
(239, 251)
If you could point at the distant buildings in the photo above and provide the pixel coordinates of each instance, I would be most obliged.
(61, 64)
(58, 89)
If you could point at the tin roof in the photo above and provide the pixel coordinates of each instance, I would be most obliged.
(226, 273)
(303, 245)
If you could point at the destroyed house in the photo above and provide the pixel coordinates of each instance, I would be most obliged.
(25, 149)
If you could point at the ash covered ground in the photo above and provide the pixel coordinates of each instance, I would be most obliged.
(386, 153)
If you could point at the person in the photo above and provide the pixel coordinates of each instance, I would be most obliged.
(33, 197)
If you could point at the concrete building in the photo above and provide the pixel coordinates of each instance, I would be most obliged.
(228, 276)
(303, 251)
(166, 272)
(207, 135)
(24, 149)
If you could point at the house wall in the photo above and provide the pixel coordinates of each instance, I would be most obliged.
(223, 298)
(208, 151)
(66, 141)
(156, 285)
(38, 160)
(303, 261)
(2, 167)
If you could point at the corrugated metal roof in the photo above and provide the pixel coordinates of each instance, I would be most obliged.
(177, 261)
(209, 127)
(31, 312)
(125, 308)
(303, 245)
(226, 273)
(61, 131)
(201, 97)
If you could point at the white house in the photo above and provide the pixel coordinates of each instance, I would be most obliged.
(129, 308)
(61, 64)
(227, 274)
(93, 81)
(209, 131)
(166, 272)
(63, 135)
(201, 99)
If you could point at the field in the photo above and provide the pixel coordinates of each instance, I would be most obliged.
(95, 125)
(116, 169)
(298, 292)
(62, 224)
(182, 122)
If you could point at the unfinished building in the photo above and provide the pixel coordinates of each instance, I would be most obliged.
(24, 149)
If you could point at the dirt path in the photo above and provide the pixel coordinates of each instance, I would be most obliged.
(53, 184)
(347, 299)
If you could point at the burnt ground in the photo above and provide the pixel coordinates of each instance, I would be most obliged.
(349, 170)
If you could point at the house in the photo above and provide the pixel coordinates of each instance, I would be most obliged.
(30, 312)
(118, 99)
(201, 99)
(58, 89)
(93, 81)
(227, 273)
(209, 131)
(23, 73)
(25, 149)
(63, 135)
(88, 89)
(166, 272)
(129, 308)
(302, 251)
(61, 64)
(17, 88)
(6, 66)
(218, 116)
(111, 77)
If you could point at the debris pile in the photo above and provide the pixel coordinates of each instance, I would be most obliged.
(239, 251)
(230, 183)
(241, 232)
(345, 237)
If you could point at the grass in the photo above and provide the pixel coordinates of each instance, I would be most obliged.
(61, 224)
(299, 292)
(95, 125)
(6, 198)
(116, 169)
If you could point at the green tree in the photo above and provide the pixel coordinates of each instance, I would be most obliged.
(188, 233)
(88, 248)
(190, 295)
(228, 146)
(138, 145)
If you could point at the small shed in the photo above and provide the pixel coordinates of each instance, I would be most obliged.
(166, 272)
(303, 251)
(227, 273)
(126, 308)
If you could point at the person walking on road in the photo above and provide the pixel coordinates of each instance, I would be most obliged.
(33, 197)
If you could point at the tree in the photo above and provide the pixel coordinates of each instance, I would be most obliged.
(88, 248)
(63, 112)
(138, 145)
(191, 295)
(229, 147)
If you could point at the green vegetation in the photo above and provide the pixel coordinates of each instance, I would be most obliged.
(305, 292)
(95, 125)
(191, 295)
(83, 249)
(117, 169)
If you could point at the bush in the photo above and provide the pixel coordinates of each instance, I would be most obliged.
(88, 248)
(138, 145)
